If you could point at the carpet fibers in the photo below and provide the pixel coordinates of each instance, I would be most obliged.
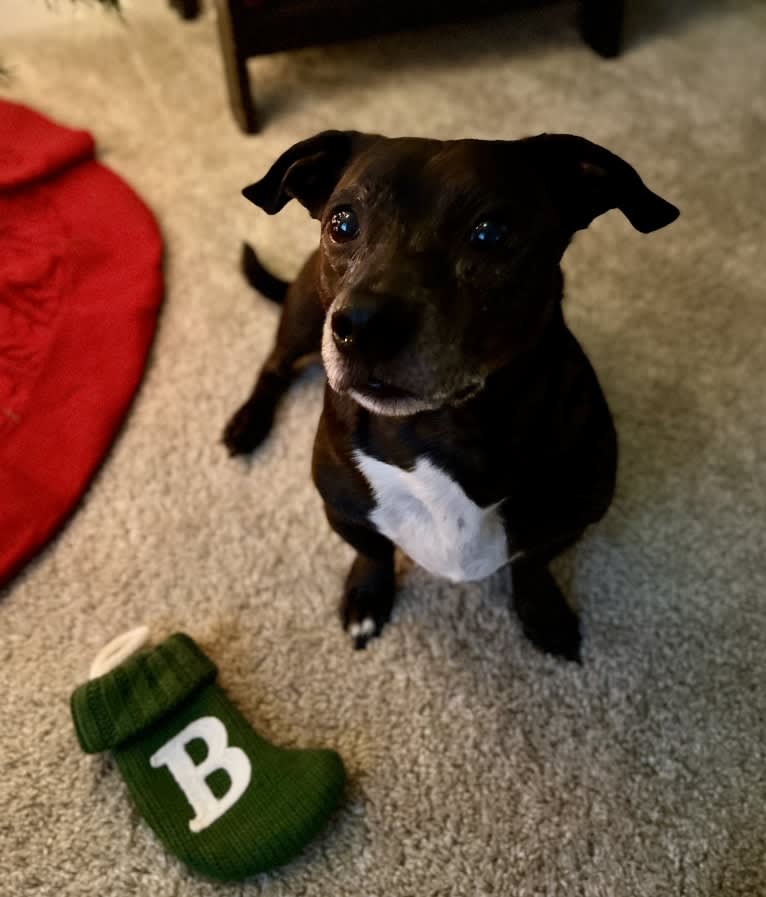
(477, 767)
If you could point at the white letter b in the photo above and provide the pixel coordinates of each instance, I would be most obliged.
(191, 777)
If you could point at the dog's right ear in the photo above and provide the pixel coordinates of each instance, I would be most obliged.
(588, 180)
(308, 172)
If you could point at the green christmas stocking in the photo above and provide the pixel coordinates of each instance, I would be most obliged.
(224, 800)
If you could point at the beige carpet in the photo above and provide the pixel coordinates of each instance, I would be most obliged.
(477, 767)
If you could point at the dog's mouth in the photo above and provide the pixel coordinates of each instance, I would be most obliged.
(365, 385)
(382, 397)
(385, 398)
(375, 388)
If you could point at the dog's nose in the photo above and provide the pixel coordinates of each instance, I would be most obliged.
(371, 326)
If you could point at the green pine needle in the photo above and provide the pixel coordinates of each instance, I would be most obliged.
(107, 4)
(110, 5)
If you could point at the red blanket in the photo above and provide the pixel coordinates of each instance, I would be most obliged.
(80, 289)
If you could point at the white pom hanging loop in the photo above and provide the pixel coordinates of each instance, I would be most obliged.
(118, 650)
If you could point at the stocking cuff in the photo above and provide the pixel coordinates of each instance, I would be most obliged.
(113, 708)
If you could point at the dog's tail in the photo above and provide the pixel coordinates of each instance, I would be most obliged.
(260, 279)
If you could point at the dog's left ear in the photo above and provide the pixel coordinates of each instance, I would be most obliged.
(590, 181)
(308, 172)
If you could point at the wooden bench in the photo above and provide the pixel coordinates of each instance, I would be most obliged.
(257, 27)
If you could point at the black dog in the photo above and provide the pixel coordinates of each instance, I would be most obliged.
(462, 421)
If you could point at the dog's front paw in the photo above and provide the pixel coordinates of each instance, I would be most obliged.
(559, 637)
(247, 429)
(546, 618)
(368, 599)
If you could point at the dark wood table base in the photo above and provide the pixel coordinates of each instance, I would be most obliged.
(257, 27)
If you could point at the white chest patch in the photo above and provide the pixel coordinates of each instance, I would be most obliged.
(428, 515)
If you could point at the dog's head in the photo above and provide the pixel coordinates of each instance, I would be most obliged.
(439, 260)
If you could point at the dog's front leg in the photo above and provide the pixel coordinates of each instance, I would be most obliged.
(546, 618)
(252, 422)
(368, 595)
(299, 336)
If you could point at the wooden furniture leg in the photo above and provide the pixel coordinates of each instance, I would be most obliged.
(187, 9)
(601, 25)
(235, 64)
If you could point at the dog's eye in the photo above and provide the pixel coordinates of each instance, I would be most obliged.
(344, 225)
(488, 233)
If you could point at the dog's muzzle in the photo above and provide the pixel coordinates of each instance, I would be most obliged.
(371, 327)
